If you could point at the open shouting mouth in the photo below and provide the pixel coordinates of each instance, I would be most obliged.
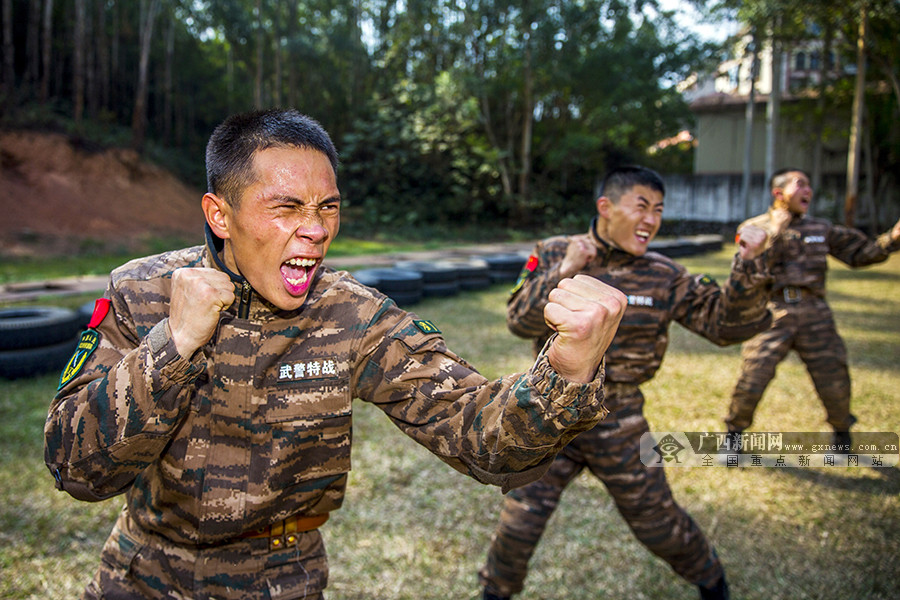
(297, 273)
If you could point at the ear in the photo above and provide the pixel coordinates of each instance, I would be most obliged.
(218, 214)
(603, 206)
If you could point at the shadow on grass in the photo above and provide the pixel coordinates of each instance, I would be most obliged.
(887, 483)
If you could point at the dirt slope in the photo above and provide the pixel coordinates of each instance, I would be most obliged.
(56, 198)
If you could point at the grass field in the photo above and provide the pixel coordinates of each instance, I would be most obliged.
(412, 528)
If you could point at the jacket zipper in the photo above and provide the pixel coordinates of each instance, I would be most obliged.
(244, 306)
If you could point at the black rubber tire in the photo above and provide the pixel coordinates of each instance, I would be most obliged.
(86, 311)
(506, 262)
(30, 362)
(405, 298)
(440, 290)
(37, 326)
(367, 279)
(394, 280)
(475, 283)
(431, 272)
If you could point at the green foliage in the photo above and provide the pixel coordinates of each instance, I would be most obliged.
(475, 112)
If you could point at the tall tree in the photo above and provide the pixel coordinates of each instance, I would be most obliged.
(46, 49)
(854, 152)
(9, 48)
(148, 11)
(78, 62)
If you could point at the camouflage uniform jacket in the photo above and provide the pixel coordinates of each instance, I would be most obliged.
(256, 426)
(659, 291)
(800, 253)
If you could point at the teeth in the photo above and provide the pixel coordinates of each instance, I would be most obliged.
(301, 262)
(299, 281)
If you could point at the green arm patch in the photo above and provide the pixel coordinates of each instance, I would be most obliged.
(707, 280)
(88, 342)
(426, 326)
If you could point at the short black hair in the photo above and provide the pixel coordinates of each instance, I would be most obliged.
(777, 178)
(232, 145)
(621, 179)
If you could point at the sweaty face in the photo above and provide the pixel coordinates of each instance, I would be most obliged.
(284, 223)
(633, 221)
(796, 194)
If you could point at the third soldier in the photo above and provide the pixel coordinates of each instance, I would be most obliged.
(802, 319)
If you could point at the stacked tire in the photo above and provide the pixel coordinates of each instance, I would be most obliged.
(505, 268)
(37, 339)
(438, 280)
(473, 273)
(403, 286)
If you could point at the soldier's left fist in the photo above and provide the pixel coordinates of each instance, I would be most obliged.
(585, 312)
(752, 242)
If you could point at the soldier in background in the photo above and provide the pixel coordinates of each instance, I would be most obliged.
(214, 384)
(659, 291)
(802, 318)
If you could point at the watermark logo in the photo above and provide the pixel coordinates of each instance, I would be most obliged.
(778, 449)
(668, 449)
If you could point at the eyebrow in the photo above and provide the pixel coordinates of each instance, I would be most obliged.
(281, 199)
(643, 199)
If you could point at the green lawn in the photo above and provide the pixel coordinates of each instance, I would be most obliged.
(412, 528)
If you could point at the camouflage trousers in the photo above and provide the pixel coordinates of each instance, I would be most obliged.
(808, 328)
(137, 564)
(611, 452)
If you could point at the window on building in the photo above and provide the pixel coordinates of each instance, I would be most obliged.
(814, 61)
(800, 61)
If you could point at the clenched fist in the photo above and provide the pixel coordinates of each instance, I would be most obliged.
(198, 296)
(585, 312)
(752, 242)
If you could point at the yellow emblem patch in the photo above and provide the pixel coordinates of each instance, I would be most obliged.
(426, 326)
(88, 342)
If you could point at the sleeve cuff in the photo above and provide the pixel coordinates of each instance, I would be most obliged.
(166, 366)
(551, 384)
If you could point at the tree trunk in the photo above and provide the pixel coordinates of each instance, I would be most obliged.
(818, 147)
(168, 86)
(114, 55)
(46, 49)
(257, 88)
(32, 44)
(9, 48)
(148, 11)
(773, 107)
(748, 133)
(78, 63)
(527, 128)
(90, 62)
(103, 80)
(853, 153)
(292, 91)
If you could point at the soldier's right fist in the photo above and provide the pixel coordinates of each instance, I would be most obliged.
(585, 312)
(199, 295)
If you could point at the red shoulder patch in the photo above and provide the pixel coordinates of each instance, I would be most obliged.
(101, 309)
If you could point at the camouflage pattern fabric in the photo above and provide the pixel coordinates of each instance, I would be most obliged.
(611, 452)
(136, 563)
(256, 426)
(803, 320)
(659, 291)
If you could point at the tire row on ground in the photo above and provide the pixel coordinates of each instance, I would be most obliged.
(38, 339)
(408, 282)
